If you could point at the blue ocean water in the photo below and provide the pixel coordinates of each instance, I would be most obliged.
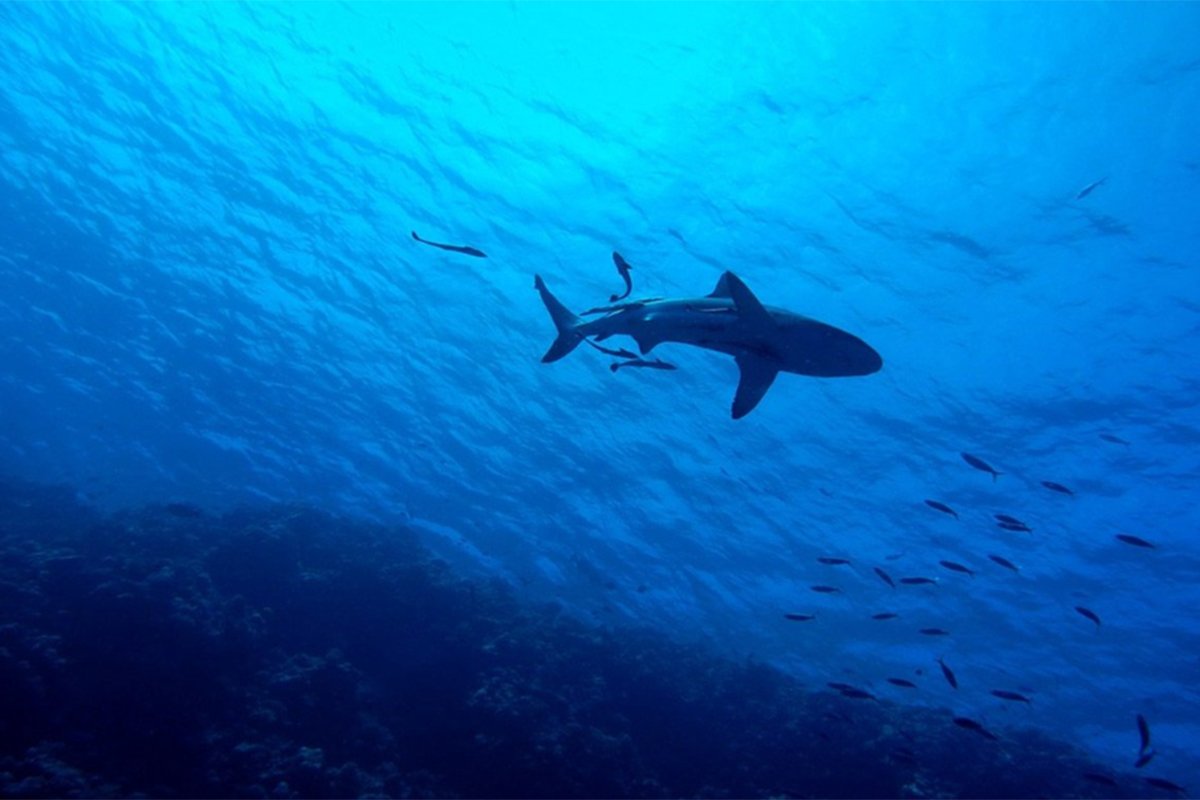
(209, 294)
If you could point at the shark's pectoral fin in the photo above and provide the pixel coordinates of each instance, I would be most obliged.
(748, 306)
(647, 342)
(757, 376)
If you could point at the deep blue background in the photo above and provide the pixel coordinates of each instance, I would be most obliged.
(208, 293)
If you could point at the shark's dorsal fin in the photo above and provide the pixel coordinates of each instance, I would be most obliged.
(722, 287)
(747, 304)
(757, 376)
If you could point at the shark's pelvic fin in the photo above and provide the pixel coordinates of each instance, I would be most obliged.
(748, 306)
(757, 376)
(564, 321)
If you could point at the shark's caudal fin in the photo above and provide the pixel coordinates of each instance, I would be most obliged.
(566, 323)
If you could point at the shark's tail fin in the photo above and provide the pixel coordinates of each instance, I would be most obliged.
(566, 323)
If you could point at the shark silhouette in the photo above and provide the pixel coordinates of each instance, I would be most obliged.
(764, 341)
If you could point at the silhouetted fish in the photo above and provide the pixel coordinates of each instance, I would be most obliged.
(981, 465)
(954, 566)
(857, 694)
(917, 581)
(825, 589)
(619, 352)
(1096, 777)
(972, 725)
(942, 507)
(833, 561)
(841, 687)
(1143, 733)
(1020, 528)
(1007, 519)
(468, 251)
(1136, 541)
(934, 632)
(623, 270)
(907, 684)
(183, 510)
(1057, 487)
(884, 615)
(1004, 562)
(949, 673)
(1162, 783)
(1087, 612)
(1108, 437)
(1091, 187)
(1004, 694)
(1144, 759)
(883, 576)
(800, 617)
(657, 363)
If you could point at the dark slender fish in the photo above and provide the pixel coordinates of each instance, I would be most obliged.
(1108, 437)
(917, 581)
(981, 465)
(1004, 694)
(1136, 541)
(841, 687)
(619, 352)
(884, 615)
(934, 632)
(1144, 759)
(1057, 487)
(623, 270)
(857, 694)
(972, 725)
(1096, 777)
(1004, 562)
(833, 561)
(954, 566)
(949, 673)
(1144, 733)
(1091, 187)
(454, 248)
(800, 617)
(1087, 612)
(907, 684)
(1010, 520)
(942, 507)
(657, 363)
(825, 589)
(883, 576)
(1162, 783)
(1008, 526)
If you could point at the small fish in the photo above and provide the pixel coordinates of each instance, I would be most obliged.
(917, 581)
(981, 465)
(942, 507)
(454, 248)
(1057, 487)
(825, 589)
(1136, 541)
(833, 561)
(657, 363)
(1087, 612)
(1008, 526)
(1004, 562)
(1091, 187)
(1004, 694)
(1006, 519)
(800, 617)
(1144, 759)
(949, 673)
(972, 725)
(1144, 733)
(934, 632)
(623, 270)
(1162, 783)
(907, 684)
(841, 687)
(884, 615)
(883, 576)
(620, 352)
(1096, 777)
(857, 694)
(1108, 437)
(954, 566)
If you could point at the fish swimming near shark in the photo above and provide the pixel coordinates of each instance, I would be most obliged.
(764, 341)
(453, 248)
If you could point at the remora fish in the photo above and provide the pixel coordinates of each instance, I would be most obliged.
(1087, 612)
(1091, 187)
(763, 341)
(981, 465)
(622, 270)
(948, 673)
(454, 248)
(1004, 562)
(883, 576)
(942, 507)
(800, 617)
(1136, 541)
(1057, 487)
(1015, 697)
(657, 363)
(972, 725)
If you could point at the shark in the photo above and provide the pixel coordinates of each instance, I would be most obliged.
(730, 319)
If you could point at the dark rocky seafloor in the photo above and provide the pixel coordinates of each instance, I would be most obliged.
(284, 652)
